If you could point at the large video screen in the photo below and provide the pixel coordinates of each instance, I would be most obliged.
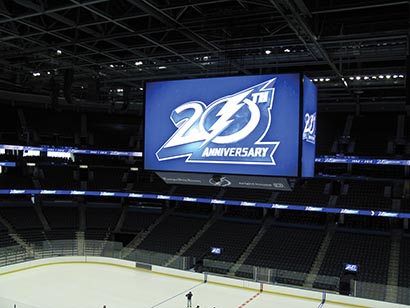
(309, 127)
(230, 125)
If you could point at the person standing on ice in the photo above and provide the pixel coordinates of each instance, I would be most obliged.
(189, 299)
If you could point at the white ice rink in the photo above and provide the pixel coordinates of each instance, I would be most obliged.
(94, 285)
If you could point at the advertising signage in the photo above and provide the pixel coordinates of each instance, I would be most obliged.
(232, 125)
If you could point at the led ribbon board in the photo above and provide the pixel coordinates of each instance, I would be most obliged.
(137, 195)
(7, 164)
(362, 160)
(232, 125)
(69, 150)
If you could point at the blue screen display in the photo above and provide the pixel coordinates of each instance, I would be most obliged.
(230, 125)
(309, 127)
(216, 250)
(351, 268)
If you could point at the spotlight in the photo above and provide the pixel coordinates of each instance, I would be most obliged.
(138, 63)
(268, 52)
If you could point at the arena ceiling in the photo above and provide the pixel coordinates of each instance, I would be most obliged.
(355, 50)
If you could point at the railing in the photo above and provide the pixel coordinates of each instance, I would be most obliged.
(39, 250)
(47, 249)
(361, 289)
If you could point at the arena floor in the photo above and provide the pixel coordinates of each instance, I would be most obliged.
(96, 285)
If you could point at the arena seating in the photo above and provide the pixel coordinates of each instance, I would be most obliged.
(309, 192)
(102, 216)
(302, 218)
(366, 195)
(5, 239)
(258, 195)
(331, 126)
(172, 233)
(107, 178)
(58, 177)
(10, 129)
(378, 171)
(404, 269)
(32, 235)
(61, 216)
(202, 209)
(196, 191)
(112, 129)
(59, 129)
(363, 222)
(16, 178)
(21, 217)
(405, 205)
(138, 219)
(232, 236)
(286, 248)
(150, 183)
(370, 251)
(372, 132)
(252, 213)
(60, 234)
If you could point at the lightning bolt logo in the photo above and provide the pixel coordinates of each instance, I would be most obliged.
(231, 107)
